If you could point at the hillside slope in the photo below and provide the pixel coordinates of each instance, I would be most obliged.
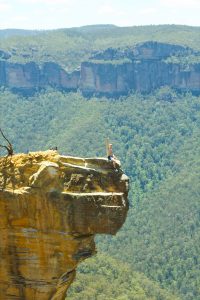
(69, 47)
(161, 238)
(106, 278)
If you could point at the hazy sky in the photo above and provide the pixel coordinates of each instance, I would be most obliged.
(46, 14)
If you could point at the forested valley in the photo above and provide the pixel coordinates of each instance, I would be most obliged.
(157, 138)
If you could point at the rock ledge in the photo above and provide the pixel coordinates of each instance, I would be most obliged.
(51, 206)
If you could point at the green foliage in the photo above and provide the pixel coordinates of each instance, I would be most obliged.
(184, 61)
(69, 47)
(164, 228)
(103, 278)
(157, 139)
(146, 132)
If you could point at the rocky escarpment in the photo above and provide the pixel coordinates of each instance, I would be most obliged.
(51, 206)
(113, 72)
(143, 68)
(31, 77)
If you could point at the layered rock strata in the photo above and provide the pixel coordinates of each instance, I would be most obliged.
(51, 206)
(112, 72)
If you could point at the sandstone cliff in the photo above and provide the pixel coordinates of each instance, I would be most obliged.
(112, 72)
(101, 78)
(30, 77)
(143, 68)
(51, 206)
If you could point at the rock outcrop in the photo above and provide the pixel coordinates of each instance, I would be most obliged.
(110, 79)
(143, 68)
(30, 77)
(112, 72)
(51, 206)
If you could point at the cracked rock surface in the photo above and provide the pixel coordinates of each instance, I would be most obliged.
(51, 206)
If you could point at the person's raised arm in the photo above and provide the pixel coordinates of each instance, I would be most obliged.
(107, 146)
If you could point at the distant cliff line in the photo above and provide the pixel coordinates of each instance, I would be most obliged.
(112, 72)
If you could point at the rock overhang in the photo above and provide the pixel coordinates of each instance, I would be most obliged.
(51, 207)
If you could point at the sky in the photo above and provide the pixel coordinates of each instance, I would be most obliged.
(52, 14)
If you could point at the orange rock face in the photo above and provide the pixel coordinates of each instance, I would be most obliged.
(51, 206)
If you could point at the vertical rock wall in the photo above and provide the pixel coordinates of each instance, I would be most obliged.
(112, 72)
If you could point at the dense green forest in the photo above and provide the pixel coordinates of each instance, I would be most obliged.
(157, 138)
(103, 278)
(158, 144)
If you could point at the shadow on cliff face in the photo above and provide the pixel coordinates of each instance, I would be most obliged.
(51, 208)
